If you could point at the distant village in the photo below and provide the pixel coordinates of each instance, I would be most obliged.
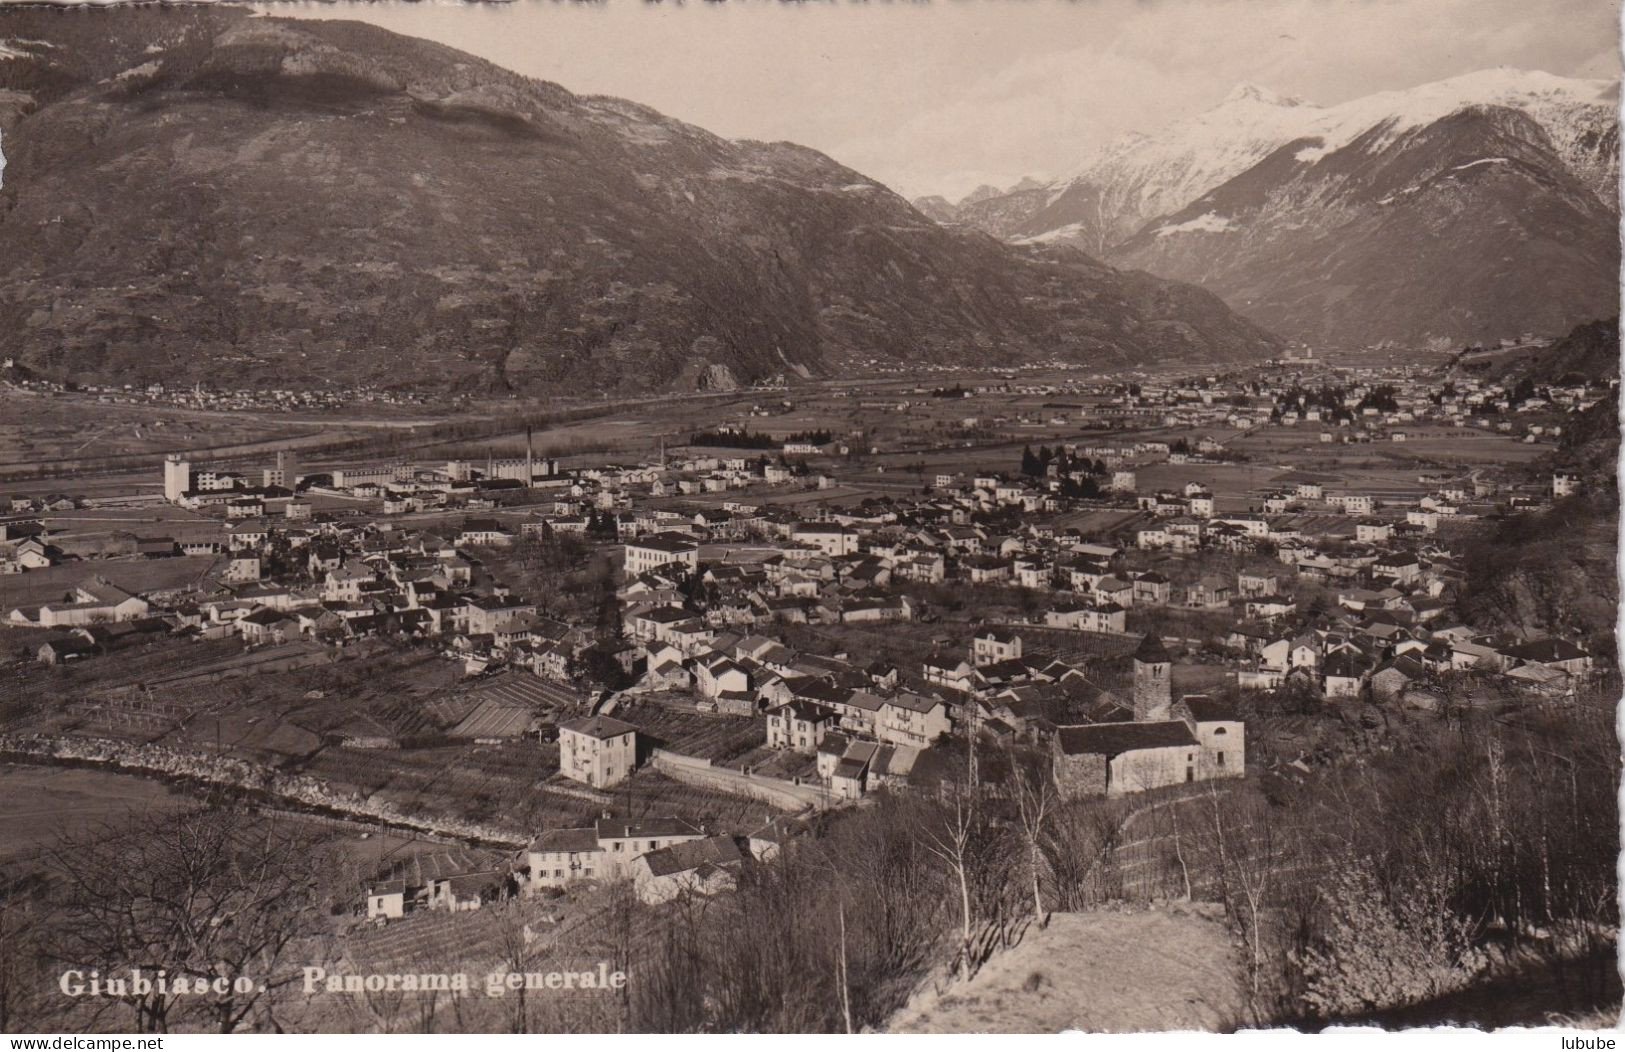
(200, 396)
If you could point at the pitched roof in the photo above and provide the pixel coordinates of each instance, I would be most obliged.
(69, 645)
(1113, 739)
(803, 710)
(620, 829)
(1205, 709)
(1545, 650)
(1151, 651)
(848, 767)
(679, 858)
(913, 702)
(896, 760)
(1344, 665)
(1409, 667)
(566, 840)
(600, 727)
(670, 544)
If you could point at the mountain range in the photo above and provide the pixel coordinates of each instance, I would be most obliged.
(205, 194)
(1464, 210)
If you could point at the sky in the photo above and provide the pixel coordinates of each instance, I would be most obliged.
(941, 96)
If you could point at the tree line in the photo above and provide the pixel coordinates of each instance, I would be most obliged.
(746, 439)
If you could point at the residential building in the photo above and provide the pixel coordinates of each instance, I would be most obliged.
(598, 750)
(644, 554)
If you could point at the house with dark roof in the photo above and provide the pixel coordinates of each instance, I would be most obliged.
(658, 551)
(768, 842)
(798, 725)
(605, 850)
(1557, 654)
(1343, 674)
(114, 635)
(947, 671)
(995, 644)
(912, 719)
(1219, 731)
(558, 856)
(1390, 679)
(63, 649)
(265, 625)
(33, 553)
(598, 750)
(623, 841)
(1204, 739)
(843, 764)
(696, 867)
(851, 767)
(1210, 593)
(452, 879)
(1151, 588)
(1111, 759)
(1001, 674)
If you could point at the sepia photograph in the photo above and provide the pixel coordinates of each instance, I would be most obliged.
(891, 517)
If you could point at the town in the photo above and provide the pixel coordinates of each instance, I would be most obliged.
(531, 520)
(557, 675)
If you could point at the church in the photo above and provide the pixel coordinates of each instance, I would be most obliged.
(1166, 743)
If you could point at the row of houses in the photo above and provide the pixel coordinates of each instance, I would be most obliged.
(661, 857)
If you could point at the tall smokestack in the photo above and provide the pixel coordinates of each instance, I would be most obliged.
(530, 475)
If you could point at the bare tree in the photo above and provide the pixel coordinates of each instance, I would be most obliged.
(211, 897)
(1034, 791)
(22, 926)
(879, 870)
(673, 969)
(953, 840)
(1083, 842)
(844, 984)
(1179, 851)
(1246, 874)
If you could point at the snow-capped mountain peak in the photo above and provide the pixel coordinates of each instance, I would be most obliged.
(1248, 92)
(1406, 184)
(1162, 172)
(1543, 96)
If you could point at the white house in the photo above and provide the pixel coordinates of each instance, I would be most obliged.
(598, 750)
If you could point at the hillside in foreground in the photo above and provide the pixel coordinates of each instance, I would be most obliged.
(1106, 971)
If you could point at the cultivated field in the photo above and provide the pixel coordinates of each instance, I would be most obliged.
(38, 805)
(133, 575)
(706, 736)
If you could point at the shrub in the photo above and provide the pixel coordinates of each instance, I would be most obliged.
(1379, 951)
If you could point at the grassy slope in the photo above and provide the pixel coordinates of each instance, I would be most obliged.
(1111, 972)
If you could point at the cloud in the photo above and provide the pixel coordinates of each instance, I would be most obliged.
(1037, 116)
(1144, 65)
(941, 97)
